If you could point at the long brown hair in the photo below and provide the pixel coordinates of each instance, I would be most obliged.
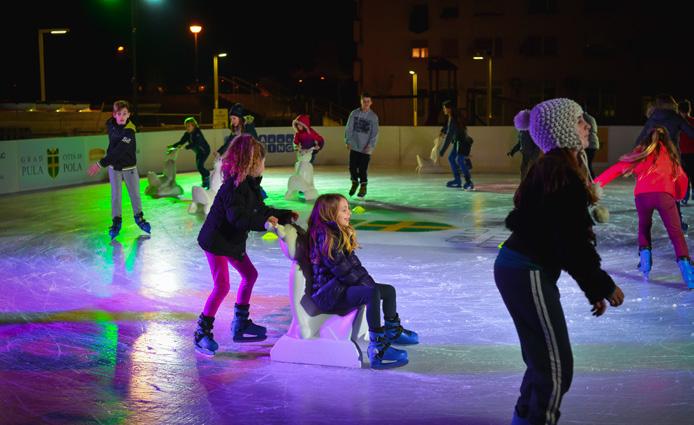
(322, 218)
(649, 145)
(242, 157)
(553, 171)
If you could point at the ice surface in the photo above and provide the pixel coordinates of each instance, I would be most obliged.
(93, 331)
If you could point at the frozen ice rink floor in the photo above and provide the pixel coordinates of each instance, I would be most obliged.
(100, 332)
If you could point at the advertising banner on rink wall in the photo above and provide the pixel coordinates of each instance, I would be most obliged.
(46, 163)
(43, 163)
(8, 167)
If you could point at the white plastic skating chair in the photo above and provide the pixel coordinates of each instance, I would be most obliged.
(302, 179)
(313, 337)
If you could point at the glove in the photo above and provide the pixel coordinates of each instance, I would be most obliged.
(509, 154)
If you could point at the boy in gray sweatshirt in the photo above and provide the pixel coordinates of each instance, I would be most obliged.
(361, 133)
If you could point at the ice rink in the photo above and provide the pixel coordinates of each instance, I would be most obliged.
(101, 332)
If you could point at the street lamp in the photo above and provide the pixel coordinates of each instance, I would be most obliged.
(414, 97)
(195, 29)
(220, 117)
(215, 72)
(42, 65)
(489, 85)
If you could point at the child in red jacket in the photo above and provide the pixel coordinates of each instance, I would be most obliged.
(660, 183)
(305, 137)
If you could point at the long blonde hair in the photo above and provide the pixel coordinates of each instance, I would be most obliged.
(648, 146)
(242, 157)
(322, 220)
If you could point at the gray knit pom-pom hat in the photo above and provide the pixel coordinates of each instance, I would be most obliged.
(552, 124)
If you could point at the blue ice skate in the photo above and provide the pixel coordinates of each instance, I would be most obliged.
(453, 183)
(114, 230)
(645, 262)
(687, 271)
(469, 185)
(382, 355)
(243, 329)
(142, 223)
(398, 335)
(204, 338)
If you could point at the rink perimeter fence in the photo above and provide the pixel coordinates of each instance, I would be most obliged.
(31, 164)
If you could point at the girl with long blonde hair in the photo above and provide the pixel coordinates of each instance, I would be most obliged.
(341, 283)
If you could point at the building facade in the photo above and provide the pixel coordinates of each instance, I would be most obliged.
(608, 55)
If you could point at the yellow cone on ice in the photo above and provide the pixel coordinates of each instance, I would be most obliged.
(358, 210)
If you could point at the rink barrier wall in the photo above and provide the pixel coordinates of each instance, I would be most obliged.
(31, 164)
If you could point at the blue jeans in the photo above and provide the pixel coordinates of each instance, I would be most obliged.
(458, 165)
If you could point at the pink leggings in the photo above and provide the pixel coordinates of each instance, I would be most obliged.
(219, 266)
(665, 204)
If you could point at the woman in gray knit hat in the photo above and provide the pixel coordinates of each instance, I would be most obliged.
(551, 231)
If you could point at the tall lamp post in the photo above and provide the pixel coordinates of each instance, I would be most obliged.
(215, 76)
(489, 85)
(219, 116)
(42, 65)
(195, 29)
(414, 98)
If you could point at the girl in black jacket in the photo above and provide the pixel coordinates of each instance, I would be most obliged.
(551, 231)
(237, 209)
(195, 141)
(455, 134)
(341, 283)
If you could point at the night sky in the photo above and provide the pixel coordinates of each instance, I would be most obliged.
(84, 66)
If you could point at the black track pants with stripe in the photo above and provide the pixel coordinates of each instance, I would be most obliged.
(532, 298)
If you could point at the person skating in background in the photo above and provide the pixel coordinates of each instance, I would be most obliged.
(194, 140)
(528, 149)
(593, 141)
(660, 183)
(341, 283)
(306, 137)
(552, 231)
(121, 160)
(686, 146)
(237, 209)
(663, 113)
(454, 133)
(361, 135)
(240, 122)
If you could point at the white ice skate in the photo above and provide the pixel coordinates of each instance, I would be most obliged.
(164, 184)
(302, 179)
(203, 198)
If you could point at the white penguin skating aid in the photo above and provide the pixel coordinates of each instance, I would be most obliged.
(302, 179)
(164, 184)
(203, 198)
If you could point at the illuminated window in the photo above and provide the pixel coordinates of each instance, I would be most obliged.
(420, 52)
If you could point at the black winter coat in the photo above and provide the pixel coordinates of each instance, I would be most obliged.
(669, 119)
(194, 141)
(121, 152)
(332, 276)
(458, 137)
(236, 211)
(555, 229)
